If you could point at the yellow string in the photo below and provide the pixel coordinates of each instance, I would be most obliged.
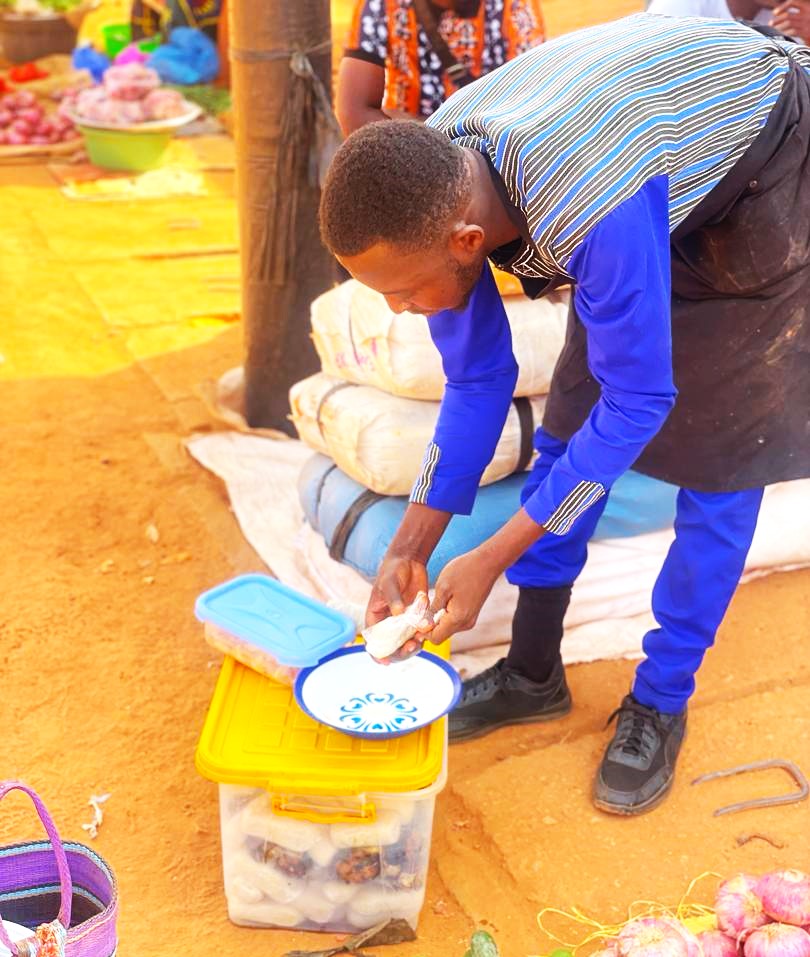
(599, 931)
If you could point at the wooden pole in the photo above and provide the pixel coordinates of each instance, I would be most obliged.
(284, 265)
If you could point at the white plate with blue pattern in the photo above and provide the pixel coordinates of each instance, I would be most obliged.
(351, 692)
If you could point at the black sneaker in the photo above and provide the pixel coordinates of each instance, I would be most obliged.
(638, 768)
(498, 697)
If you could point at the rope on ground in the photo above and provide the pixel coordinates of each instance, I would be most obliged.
(685, 911)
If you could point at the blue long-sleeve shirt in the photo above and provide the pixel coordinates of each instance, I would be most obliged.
(622, 296)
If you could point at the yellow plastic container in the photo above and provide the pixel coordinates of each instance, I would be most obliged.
(320, 831)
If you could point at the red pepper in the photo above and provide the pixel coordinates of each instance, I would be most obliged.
(3, 87)
(26, 72)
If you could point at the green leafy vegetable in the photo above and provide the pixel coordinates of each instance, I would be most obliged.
(212, 99)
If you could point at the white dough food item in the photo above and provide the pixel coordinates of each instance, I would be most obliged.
(243, 890)
(315, 906)
(382, 832)
(264, 915)
(374, 904)
(258, 820)
(279, 887)
(390, 634)
(338, 892)
(323, 853)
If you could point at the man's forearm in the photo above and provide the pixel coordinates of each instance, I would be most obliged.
(419, 532)
(505, 547)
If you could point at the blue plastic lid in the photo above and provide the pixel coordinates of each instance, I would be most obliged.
(298, 631)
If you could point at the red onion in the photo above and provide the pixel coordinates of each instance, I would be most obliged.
(657, 937)
(32, 115)
(24, 98)
(717, 944)
(785, 896)
(738, 907)
(778, 940)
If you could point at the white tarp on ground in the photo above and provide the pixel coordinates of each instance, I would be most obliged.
(609, 611)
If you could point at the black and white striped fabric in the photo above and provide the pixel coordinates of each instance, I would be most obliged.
(581, 497)
(579, 124)
(419, 495)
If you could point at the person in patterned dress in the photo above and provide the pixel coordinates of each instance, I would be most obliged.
(391, 69)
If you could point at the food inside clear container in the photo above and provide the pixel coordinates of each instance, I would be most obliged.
(271, 628)
(315, 863)
(320, 831)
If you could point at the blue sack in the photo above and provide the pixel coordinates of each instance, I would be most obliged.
(358, 525)
(86, 57)
(188, 58)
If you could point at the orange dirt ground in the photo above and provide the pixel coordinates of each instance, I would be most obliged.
(107, 678)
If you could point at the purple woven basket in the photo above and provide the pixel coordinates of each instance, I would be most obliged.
(46, 881)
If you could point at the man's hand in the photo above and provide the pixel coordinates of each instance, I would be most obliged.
(398, 582)
(461, 591)
(402, 573)
(793, 18)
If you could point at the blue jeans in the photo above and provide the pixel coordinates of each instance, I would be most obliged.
(713, 532)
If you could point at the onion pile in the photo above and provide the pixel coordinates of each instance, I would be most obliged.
(785, 897)
(657, 937)
(739, 908)
(23, 122)
(129, 95)
(765, 917)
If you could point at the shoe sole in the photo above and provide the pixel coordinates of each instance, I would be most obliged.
(649, 805)
(529, 719)
(634, 810)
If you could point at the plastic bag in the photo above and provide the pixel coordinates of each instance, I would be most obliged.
(189, 57)
(88, 58)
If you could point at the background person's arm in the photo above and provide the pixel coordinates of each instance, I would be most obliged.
(360, 91)
(361, 76)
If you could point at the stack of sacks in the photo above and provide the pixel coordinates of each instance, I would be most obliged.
(374, 406)
(372, 411)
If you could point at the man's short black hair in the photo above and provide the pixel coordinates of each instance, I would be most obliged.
(395, 182)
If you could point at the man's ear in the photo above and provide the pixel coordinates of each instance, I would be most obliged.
(466, 242)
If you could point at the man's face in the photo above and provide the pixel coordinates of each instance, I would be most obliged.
(421, 282)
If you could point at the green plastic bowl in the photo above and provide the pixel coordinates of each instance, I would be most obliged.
(126, 150)
(150, 44)
(117, 37)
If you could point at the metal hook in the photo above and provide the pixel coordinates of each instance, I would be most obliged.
(792, 798)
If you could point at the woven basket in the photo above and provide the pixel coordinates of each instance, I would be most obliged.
(23, 39)
(67, 890)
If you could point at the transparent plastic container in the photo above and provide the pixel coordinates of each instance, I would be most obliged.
(271, 628)
(325, 864)
(249, 654)
(320, 831)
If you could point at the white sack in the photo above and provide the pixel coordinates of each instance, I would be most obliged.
(360, 340)
(380, 439)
